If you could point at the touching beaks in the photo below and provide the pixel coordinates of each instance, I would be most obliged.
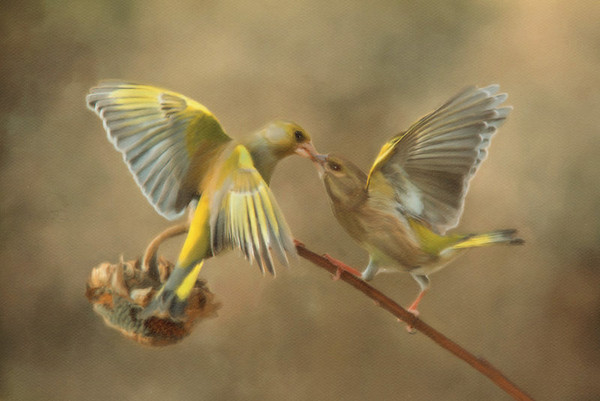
(320, 159)
(307, 150)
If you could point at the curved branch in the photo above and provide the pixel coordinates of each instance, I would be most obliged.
(149, 260)
(413, 321)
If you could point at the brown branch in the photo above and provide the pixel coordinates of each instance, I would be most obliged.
(382, 300)
(388, 304)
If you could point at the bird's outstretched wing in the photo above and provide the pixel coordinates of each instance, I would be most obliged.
(245, 214)
(159, 133)
(428, 167)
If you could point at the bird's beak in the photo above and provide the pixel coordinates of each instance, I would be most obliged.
(319, 161)
(307, 150)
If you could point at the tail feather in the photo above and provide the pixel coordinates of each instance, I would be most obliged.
(171, 300)
(495, 237)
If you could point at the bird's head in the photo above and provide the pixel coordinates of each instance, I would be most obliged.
(344, 180)
(286, 138)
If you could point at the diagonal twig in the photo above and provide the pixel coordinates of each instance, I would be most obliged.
(388, 304)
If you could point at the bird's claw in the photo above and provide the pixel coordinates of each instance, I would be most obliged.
(299, 243)
(337, 275)
(341, 266)
(410, 329)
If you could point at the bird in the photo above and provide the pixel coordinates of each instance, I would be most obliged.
(400, 211)
(181, 158)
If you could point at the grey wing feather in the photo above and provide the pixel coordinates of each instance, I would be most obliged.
(149, 127)
(434, 160)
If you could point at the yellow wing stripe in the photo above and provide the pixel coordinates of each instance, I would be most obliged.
(250, 209)
(172, 105)
(129, 92)
(385, 152)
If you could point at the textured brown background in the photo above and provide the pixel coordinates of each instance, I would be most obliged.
(352, 74)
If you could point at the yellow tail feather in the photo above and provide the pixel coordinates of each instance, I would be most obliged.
(494, 237)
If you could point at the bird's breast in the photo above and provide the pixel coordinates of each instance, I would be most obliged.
(386, 235)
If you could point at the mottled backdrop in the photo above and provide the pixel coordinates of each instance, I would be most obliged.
(353, 74)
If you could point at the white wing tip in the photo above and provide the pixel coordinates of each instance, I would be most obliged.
(490, 89)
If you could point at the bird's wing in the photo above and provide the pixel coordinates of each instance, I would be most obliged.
(428, 167)
(245, 215)
(159, 133)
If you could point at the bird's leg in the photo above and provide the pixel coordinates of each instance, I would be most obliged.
(424, 286)
(341, 266)
(413, 307)
(370, 271)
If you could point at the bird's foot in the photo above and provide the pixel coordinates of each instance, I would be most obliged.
(413, 309)
(415, 312)
(299, 243)
(341, 266)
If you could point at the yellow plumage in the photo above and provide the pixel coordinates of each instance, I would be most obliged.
(178, 152)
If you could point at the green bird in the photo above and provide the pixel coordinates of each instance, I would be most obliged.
(415, 191)
(180, 156)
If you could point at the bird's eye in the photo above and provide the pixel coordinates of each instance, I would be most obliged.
(334, 166)
(299, 136)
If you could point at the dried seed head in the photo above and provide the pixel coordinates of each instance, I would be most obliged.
(119, 292)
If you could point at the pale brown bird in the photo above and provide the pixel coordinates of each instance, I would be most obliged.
(400, 211)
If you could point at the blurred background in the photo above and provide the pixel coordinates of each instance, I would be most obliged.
(352, 74)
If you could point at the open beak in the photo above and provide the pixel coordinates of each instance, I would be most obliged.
(307, 150)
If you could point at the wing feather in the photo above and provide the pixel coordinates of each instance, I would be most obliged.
(158, 132)
(430, 165)
(245, 215)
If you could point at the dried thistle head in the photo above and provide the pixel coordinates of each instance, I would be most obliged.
(119, 292)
